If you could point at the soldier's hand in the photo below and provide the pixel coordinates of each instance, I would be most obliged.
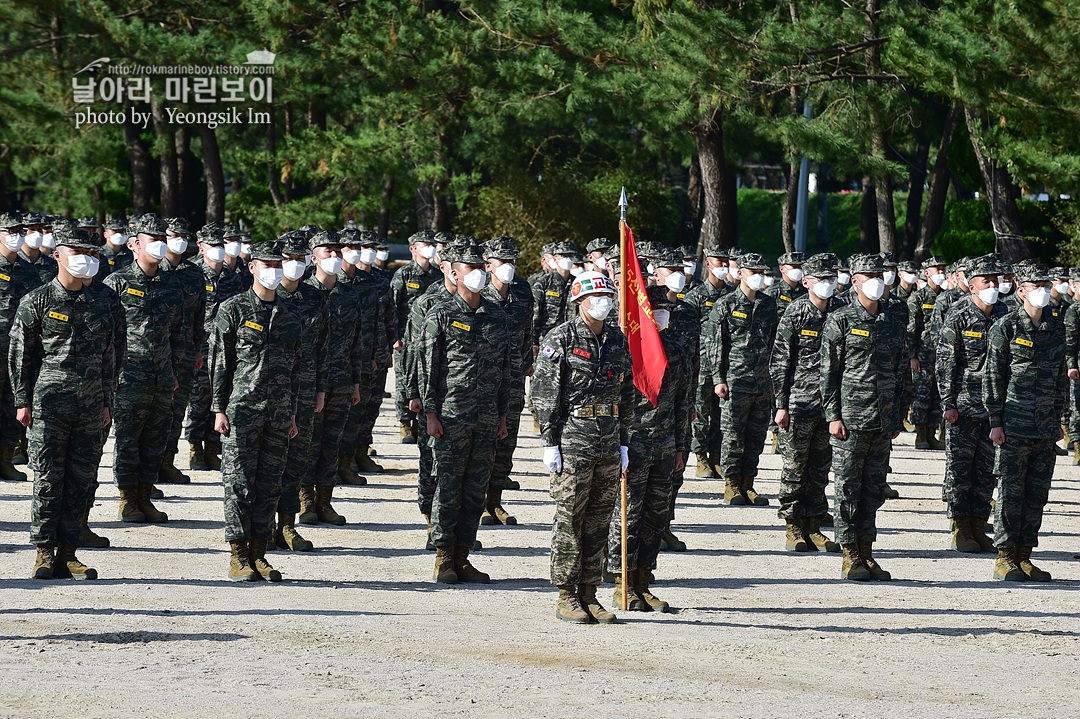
(529, 372)
(916, 365)
(997, 435)
(175, 384)
(624, 453)
(415, 405)
(221, 424)
(722, 391)
(553, 459)
(950, 416)
(1074, 374)
(536, 350)
(434, 426)
(355, 399)
(781, 418)
(679, 463)
(374, 366)
(198, 360)
(837, 429)
(895, 434)
(503, 432)
(26, 417)
(398, 346)
(293, 431)
(320, 401)
(106, 419)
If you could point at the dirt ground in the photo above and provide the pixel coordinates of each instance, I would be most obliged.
(358, 628)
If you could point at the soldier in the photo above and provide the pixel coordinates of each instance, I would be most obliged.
(961, 363)
(739, 372)
(907, 285)
(410, 281)
(1072, 354)
(583, 390)
(795, 369)
(31, 251)
(550, 291)
(594, 255)
(463, 367)
(62, 365)
(382, 258)
(514, 296)
(115, 254)
(922, 342)
(655, 435)
(234, 245)
(153, 303)
(547, 263)
(1025, 369)
(690, 265)
(862, 358)
(789, 288)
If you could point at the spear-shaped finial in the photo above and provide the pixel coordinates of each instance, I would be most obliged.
(622, 205)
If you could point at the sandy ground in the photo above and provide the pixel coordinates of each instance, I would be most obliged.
(358, 629)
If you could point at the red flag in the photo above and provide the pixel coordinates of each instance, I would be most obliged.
(650, 359)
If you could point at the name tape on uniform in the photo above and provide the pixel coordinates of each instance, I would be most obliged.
(736, 313)
(412, 285)
(809, 333)
(463, 326)
(785, 298)
(209, 288)
(58, 316)
(709, 304)
(253, 325)
(6, 278)
(861, 333)
(928, 307)
(553, 293)
(969, 333)
(1024, 342)
(582, 353)
(137, 293)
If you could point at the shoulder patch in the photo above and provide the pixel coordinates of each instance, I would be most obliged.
(1024, 342)
(582, 353)
(860, 333)
(462, 326)
(548, 351)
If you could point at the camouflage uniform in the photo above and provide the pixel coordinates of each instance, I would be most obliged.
(17, 279)
(386, 336)
(191, 282)
(44, 265)
(1072, 353)
(551, 297)
(922, 341)
(373, 331)
(410, 282)
(706, 423)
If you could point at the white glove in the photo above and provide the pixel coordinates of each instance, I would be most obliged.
(625, 452)
(553, 459)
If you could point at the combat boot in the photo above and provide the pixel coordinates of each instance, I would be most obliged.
(642, 577)
(669, 542)
(130, 511)
(465, 571)
(1005, 568)
(156, 493)
(568, 608)
(890, 493)
(776, 443)
(733, 493)
(152, 514)
(197, 457)
(259, 563)
(46, 560)
(308, 515)
(920, 437)
(587, 598)
(494, 514)
(705, 469)
(854, 568)
(169, 474)
(1076, 454)
(827, 520)
(20, 455)
(286, 536)
(326, 513)
(430, 546)
(406, 433)
(634, 602)
(978, 533)
(444, 566)
(812, 530)
(364, 462)
(932, 438)
(1023, 558)
(962, 541)
(8, 473)
(796, 538)
(866, 551)
(346, 475)
(87, 538)
(751, 496)
(240, 569)
(68, 566)
(212, 454)
(512, 484)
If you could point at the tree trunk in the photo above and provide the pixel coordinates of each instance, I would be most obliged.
(182, 145)
(99, 203)
(440, 220)
(287, 191)
(939, 188)
(791, 202)
(886, 214)
(425, 209)
(868, 225)
(215, 178)
(1001, 195)
(316, 120)
(689, 233)
(729, 207)
(709, 136)
(170, 179)
(139, 160)
(382, 225)
(916, 182)
(883, 198)
(272, 175)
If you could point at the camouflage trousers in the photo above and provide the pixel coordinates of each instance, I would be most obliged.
(504, 448)
(907, 396)
(1074, 410)
(11, 431)
(372, 401)
(199, 425)
(969, 468)
(142, 418)
(401, 402)
(807, 456)
(300, 458)
(351, 432)
(585, 492)
(252, 461)
(1024, 468)
(185, 378)
(425, 483)
(706, 425)
(677, 478)
(648, 499)
(926, 404)
(64, 454)
(744, 419)
(463, 458)
(326, 432)
(860, 465)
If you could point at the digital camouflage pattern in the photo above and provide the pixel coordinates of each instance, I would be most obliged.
(1071, 320)
(17, 278)
(252, 461)
(922, 344)
(551, 297)
(374, 330)
(784, 294)
(585, 492)
(706, 421)
(1024, 467)
(194, 318)
(114, 259)
(860, 465)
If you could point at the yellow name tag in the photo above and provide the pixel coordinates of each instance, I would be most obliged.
(461, 326)
(928, 307)
(5, 277)
(412, 285)
(809, 333)
(58, 316)
(1026, 343)
(254, 325)
(209, 288)
(709, 304)
(550, 293)
(112, 262)
(736, 313)
(785, 298)
(1054, 313)
(861, 333)
(969, 333)
(137, 293)
(681, 295)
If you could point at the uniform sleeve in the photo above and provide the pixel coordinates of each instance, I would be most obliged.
(996, 375)
(322, 363)
(199, 328)
(1061, 393)
(539, 312)
(1072, 336)
(547, 393)
(509, 368)
(684, 406)
(627, 400)
(119, 337)
(409, 354)
(783, 360)
(400, 301)
(222, 362)
(108, 356)
(723, 337)
(24, 353)
(914, 325)
(177, 341)
(832, 368)
(358, 354)
(950, 348)
(431, 361)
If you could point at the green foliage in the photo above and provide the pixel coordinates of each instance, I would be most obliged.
(968, 232)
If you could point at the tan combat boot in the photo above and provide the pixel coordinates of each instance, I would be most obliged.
(346, 475)
(286, 536)
(465, 571)
(670, 543)
(212, 455)
(1005, 568)
(641, 579)
(962, 541)
(67, 565)
(406, 433)
(152, 514)
(259, 563)
(634, 602)
(854, 568)
(21, 455)
(494, 514)
(932, 438)
(444, 566)
(812, 530)
(87, 538)
(1076, 454)
(169, 474)
(364, 462)
(240, 569)
(751, 496)
(866, 551)
(325, 511)
(776, 443)
(733, 493)
(978, 533)
(46, 560)
(129, 506)
(308, 515)
(196, 457)
(569, 608)
(429, 546)
(587, 598)
(920, 437)
(1023, 558)
(795, 538)
(8, 472)
(705, 469)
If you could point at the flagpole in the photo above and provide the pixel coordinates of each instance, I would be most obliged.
(622, 326)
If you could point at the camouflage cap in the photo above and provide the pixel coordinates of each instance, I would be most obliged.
(820, 265)
(600, 244)
(671, 258)
(266, 250)
(1057, 272)
(791, 258)
(565, 248)
(887, 260)
(1033, 272)
(426, 236)
(500, 248)
(467, 239)
(11, 219)
(962, 264)
(658, 297)
(650, 249)
(177, 225)
(984, 266)
(117, 224)
(469, 254)
(369, 238)
(211, 236)
(932, 261)
(547, 249)
(349, 236)
(87, 222)
(230, 230)
(612, 253)
(246, 237)
(150, 225)
(718, 252)
(382, 244)
(349, 225)
(908, 266)
(1074, 274)
(325, 238)
(74, 237)
(61, 223)
(442, 237)
(734, 252)
(866, 264)
(1006, 268)
(752, 261)
(33, 218)
(293, 242)
(689, 252)
(309, 230)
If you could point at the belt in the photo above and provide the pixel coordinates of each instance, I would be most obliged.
(596, 410)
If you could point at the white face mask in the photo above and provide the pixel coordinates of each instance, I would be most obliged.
(989, 296)
(824, 289)
(1061, 287)
(505, 273)
(330, 265)
(382, 255)
(650, 268)
(718, 272)
(873, 288)
(156, 249)
(47, 241)
(565, 263)
(599, 307)
(576, 271)
(270, 277)
(352, 256)
(769, 281)
(245, 248)
(843, 278)
(232, 249)
(13, 241)
(889, 277)
(1039, 297)
(445, 267)
(293, 269)
(427, 251)
(215, 253)
(1004, 287)
(938, 279)
(367, 256)
(600, 264)
(907, 277)
(795, 274)
(662, 317)
(475, 280)
(118, 239)
(755, 282)
(34, 239)
(82, 266)
(675, 282)
(949, 284)
(177, 245)
(689, 267)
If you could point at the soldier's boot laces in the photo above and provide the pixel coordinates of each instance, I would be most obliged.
(326, 512)
(634, 602)
(1023, 558)
(465, 571)
(444, 566)
(866, 550)
(406, 433)
(46, 560)
(8, 472)
(240, 569)
(68, 566)
(812, 529)
(795, 538)
(169, 474)
(196, 457)
(20, 455)
(962, 541)
(308, 515)
(152, 513)
(129, 506)
(569, 608)
(88, 538)
(1005, 568)
(854, 568)
(364, 462)
(751, 496)
(286, 536)
(733, 493)
(642, 578)
(212, 455)
(346, 475)
(259, 563)
(670, 543)
(494, 514)
(921, 442)
(589, 602)
(978, 533)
